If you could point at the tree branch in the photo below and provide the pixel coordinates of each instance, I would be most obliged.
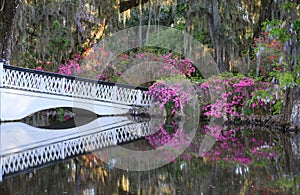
(126, 5)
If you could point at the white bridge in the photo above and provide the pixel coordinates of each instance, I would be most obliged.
(23, 147)
(26, 91)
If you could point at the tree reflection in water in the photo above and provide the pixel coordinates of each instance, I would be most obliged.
(244, 160)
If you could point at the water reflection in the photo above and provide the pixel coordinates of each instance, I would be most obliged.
(23, 146)
(164, 145)
(244, 160)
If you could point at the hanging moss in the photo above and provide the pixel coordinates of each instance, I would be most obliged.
(53, 31)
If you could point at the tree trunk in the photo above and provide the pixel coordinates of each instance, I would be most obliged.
(265, 14)
(216, 36)
(188, 28)
(149, 23)
(140, 24)
(7, 14)
(290, 17)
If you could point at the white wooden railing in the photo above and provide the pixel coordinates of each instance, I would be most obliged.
(52, 83)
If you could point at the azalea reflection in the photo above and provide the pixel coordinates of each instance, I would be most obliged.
(240, 144)
(171, 138)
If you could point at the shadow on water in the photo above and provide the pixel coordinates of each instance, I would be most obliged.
(243, 160)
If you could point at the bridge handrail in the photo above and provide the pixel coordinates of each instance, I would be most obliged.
(66, 85)
(41, 72)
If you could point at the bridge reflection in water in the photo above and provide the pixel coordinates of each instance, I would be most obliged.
(23, 147)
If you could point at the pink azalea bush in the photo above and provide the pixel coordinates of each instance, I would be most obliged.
(70, 67)
(173, 92)
(230, 95)
(92, 64)
(171, 96)
(175, 66)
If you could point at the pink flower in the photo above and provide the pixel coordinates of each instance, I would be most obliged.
(39, 68)
(254, 151)
(67, 117)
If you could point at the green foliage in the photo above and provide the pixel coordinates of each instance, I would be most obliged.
(288, 6)
(248, 112)
(278, 107)
(150, 50)
(61, 114)
(296, 27)
(247, 132)
(58, 41)
(287, 79)
(169, 39)
(276, 30)
(286, 182)
(273, 50)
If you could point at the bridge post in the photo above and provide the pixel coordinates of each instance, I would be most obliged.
(114, 93)
(42, 84)
(1, 99)
(94, 90)
(62, 85)
(139, 98)
(1, 169)
(62, 150)
(1, 71)
(115, 137)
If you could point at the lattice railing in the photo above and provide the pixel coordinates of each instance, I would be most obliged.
(57, 151)
(45, 82)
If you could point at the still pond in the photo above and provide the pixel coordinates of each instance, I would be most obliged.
(241, 160)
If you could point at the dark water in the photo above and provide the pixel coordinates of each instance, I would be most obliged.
(244, 160)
